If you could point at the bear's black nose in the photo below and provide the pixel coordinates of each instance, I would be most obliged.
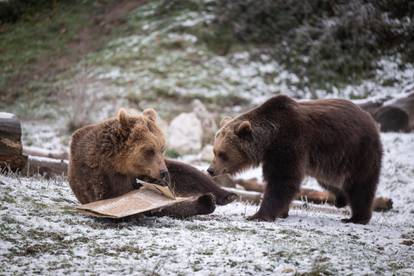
(210, 171)
(165, 177)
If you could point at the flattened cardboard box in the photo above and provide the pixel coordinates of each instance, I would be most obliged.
(148, 198)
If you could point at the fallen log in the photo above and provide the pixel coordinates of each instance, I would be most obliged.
(13, 157)
(397, 114)
(306, 194)
(256, 197)
(11, 150)
(46, 167)
(372, 106)
(392, 114)
(314, 196)
(251, 185)
(35, 151)
(246, 196)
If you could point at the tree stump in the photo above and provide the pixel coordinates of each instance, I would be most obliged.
(11, 149)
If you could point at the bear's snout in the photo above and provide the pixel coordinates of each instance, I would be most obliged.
(165, 177)
(211, 171)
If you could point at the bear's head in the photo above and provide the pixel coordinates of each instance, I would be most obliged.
(232, 144)
(141, 152)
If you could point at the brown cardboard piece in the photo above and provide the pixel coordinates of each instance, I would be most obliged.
(150, 197)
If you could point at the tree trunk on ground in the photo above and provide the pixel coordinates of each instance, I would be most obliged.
(372, 106)
(392, 115)
(34, 151)
(251, 185)
(47, 167)
(246, 196)
(12, 156)
(11, 150)
(397, 115)
(254, 189)
(314, 196)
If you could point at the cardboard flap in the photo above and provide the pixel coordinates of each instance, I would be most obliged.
(135, 202)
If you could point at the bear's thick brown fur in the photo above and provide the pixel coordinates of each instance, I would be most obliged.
(333, 141)
(106, 159)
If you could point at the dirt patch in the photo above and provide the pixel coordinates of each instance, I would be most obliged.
(99, 28)
(91, 37)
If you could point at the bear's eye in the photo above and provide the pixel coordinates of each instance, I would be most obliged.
(149, 153)
(222, 156)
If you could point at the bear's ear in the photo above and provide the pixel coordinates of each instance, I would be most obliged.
(244, 129)
(225, 120)
(150, 114)
(123, 118)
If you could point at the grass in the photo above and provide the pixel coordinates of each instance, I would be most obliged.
(39, 37)
(166, 54)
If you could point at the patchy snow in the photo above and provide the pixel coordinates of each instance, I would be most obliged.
(5, 115)
(168, 58)
(44, 135)
(41, 233)
(392, 78)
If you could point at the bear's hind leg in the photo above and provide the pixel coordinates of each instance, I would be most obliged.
(360, 196)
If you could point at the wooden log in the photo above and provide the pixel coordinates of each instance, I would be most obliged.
(11, 150)
(35, 151)
(397, 114)
(380, 204)
(251, 185)
(309, 195)
(246, 196)
(372, 106)
(256, 197)
(314, 196)
(47, 167)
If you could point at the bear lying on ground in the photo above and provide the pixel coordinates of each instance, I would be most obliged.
(333, 141)
(106, 159)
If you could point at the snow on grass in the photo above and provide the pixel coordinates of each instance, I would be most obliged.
(170, 56)
(41, 233)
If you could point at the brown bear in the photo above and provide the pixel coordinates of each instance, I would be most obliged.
(106, 159)
(331, 140)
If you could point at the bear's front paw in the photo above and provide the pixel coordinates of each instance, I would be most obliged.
(355, 221)
(262, 217)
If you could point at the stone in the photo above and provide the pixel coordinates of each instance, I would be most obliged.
(185, 134)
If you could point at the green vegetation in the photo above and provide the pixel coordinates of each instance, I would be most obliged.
(324, 42)
(165, 53)
(29, 46)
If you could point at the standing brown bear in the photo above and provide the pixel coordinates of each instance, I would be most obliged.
(333, 141)
(106, 158)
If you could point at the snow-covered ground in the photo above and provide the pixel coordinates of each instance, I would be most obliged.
(41, 233)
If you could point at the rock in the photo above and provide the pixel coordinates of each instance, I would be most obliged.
(207, 119)
(206, 153)
(185, 134)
